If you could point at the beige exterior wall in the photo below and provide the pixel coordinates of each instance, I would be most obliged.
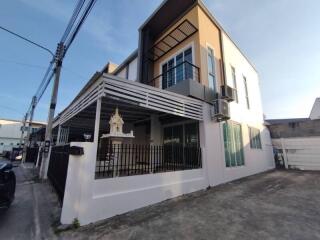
(192, 16)
(207, 35)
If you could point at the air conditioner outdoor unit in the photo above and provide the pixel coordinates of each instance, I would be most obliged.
(228, 93)
(220, 110)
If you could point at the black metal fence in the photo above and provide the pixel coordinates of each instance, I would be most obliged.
(32, 154)
(127, 160)
(58, 168)
(176, 74)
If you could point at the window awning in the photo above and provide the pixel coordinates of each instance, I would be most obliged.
(179, 34)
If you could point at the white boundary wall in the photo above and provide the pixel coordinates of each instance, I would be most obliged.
(300, 153)
(91, 200)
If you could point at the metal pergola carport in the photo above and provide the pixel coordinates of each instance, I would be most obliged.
(137, 102)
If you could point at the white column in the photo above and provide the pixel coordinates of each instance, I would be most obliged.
(284, 151)
(155, 138)
(59, 135)
(96, 129)
(97, 122)
(211, 141)
(155, 131)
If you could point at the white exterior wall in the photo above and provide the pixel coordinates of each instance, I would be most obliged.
(211, 133)
(133, 69)
(211, 139)
(90, 200)
(9, 134)
(122, 73)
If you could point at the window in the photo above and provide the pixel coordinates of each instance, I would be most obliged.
(246, 91)
(183, 134)
(211, 70)
(181, 145)
(234, 80)
(233, 146)
(176, 70)
(255, 139)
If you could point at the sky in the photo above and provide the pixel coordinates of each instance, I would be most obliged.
(280, 37)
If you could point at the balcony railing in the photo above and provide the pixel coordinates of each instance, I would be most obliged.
(180, 72)
(129, 160)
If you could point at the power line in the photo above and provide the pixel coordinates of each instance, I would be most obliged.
(22, 63)
(46, 80)
(9, 108)
(61, 51)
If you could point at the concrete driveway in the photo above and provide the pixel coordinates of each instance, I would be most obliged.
(273, 205)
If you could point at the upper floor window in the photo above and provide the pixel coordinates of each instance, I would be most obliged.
(255, 139)
(246, 91)
(211, 70)
(234, 81)
(177, 69)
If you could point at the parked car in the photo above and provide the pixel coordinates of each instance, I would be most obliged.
(7, 184)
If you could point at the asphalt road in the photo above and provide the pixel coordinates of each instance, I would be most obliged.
(32, 212)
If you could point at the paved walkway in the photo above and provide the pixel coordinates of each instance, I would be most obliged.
(33, 211)
(274, 205)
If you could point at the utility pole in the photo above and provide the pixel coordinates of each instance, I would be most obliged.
(48, 137)
(27, 142)
(22, 128)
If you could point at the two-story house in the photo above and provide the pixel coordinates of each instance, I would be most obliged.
(192, 100)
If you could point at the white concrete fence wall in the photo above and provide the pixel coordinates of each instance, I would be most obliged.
(300, 153)
(89, 199)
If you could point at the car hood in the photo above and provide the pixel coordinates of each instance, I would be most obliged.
(5, 165)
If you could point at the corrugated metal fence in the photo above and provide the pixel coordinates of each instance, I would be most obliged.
(300, 153)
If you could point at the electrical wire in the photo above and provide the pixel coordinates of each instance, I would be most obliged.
(67, 39)
(84, 16)
(74, 17)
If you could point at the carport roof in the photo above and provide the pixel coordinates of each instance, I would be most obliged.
(136, 99)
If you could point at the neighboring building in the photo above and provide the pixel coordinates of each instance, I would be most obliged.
(293, 128)
(193, 102)
(10, 133)
(315, 112)
(298, 140)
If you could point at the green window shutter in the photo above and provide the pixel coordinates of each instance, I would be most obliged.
(255, 138)
(232, 145)
(241, 146)
(226, 145)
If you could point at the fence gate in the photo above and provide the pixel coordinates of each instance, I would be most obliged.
(58, 168)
